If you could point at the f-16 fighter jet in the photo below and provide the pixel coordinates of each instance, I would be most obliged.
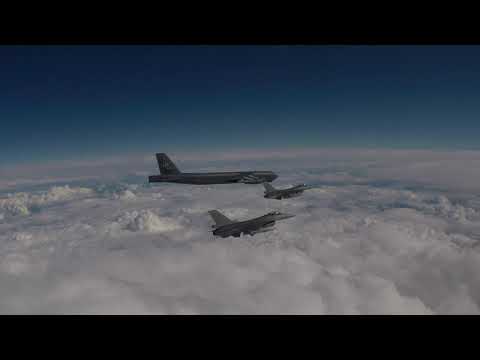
(170, 173)
(272, 193)
(224, 227)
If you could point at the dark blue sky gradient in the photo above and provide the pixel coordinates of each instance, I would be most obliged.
(61, 102)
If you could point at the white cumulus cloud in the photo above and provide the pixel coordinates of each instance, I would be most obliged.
(371, 242)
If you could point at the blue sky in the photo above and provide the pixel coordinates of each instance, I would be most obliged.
(71, 102)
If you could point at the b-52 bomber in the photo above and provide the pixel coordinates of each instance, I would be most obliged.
(224, 227)
(294, 191)
(170, 173)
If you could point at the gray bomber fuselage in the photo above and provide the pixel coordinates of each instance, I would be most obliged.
(170, 173)
(246, 177)
(250, 227)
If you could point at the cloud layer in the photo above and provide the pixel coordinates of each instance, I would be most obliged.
(366, 240)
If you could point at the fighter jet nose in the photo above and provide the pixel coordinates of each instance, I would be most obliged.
(285, 216)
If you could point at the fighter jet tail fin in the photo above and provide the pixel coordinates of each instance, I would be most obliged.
(165, 165)
(268, 187)
(219, 218)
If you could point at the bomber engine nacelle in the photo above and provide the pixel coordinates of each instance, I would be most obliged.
(251, 179)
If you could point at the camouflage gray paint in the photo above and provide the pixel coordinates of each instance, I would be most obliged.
(224, 227)
(278, 194)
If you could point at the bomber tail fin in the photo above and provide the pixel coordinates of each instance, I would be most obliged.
(268, 187)
(165, 165)
(219, 218)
